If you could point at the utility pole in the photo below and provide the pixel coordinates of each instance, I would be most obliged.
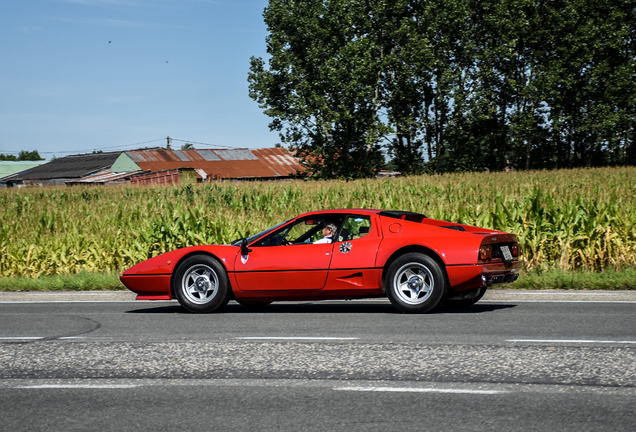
(168, 138)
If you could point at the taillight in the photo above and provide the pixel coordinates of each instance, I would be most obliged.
(485, 252)
(515, 250)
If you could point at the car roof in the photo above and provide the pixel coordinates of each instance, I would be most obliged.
(398, 214)
(341, 211)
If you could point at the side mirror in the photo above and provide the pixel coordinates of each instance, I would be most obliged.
(244, 248)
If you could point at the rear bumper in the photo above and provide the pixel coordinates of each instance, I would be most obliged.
(489, 279)
(464, 277)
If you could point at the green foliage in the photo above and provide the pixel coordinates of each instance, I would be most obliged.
(82, 281)
(23, 156)
(450, 85)
(568, 219)
(608, 279)
(326, 108)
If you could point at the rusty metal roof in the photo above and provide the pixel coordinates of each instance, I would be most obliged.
(221, 164)
(108, 177)
(278, 160)
(236, 154)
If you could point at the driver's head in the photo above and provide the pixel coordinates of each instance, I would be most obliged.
(329, 229)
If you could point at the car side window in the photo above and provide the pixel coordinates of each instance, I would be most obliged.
(306, 231)
(273, 239)
(355, 227)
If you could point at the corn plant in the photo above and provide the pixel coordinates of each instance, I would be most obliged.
(569, 219)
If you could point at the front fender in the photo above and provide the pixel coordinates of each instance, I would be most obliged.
(151, 279)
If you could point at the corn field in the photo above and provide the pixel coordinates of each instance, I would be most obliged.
(569, 219)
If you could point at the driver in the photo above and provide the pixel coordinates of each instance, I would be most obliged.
(328, 231)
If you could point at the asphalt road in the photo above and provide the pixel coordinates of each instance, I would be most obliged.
(515, 361)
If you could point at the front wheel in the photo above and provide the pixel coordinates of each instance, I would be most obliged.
(201, 284)
(415, 283)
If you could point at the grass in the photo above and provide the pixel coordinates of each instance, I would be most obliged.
(609, 279)
(83, 281)
(572, 220)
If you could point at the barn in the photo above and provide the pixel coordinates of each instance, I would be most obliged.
(162, 166)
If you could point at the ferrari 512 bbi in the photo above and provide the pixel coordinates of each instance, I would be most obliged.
(417, 262)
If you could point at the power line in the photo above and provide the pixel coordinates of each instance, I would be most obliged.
(123, 145)
(205, 144)
(86, 150)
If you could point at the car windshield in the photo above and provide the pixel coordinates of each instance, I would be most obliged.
(259, 235)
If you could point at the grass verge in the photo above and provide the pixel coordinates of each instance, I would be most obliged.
(83, 281)
(611, 279)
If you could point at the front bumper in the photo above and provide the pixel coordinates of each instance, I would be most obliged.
(148, 287)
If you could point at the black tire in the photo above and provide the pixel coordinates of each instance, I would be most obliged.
(253, 304)
(201, 284)
(415, 283)
(471, 298)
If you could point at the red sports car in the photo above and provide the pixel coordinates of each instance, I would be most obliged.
(417, 262)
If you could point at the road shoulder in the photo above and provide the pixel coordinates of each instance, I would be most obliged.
(491, 295)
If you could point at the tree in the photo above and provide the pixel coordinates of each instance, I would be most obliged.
(591, 85)
(29, 155)
(320, 85)
(450, 85)
(24, 155)
(187, 146)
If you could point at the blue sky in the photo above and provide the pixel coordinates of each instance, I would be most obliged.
(84, 75)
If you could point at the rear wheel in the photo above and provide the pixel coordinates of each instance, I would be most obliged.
(415, 283)
(201, 284)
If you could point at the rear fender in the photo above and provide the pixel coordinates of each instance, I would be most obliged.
(413, 248)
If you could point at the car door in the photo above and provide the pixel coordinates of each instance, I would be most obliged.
(286, 260)
(354, 254)
(357, 244)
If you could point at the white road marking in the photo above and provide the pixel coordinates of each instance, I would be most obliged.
(77, 293)
(295, 338)
(9, 338)
(573, 341)
(419, 390)
(557, 301)
(570, 293)
(81, 301)
(83, 337)
(76, 386)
